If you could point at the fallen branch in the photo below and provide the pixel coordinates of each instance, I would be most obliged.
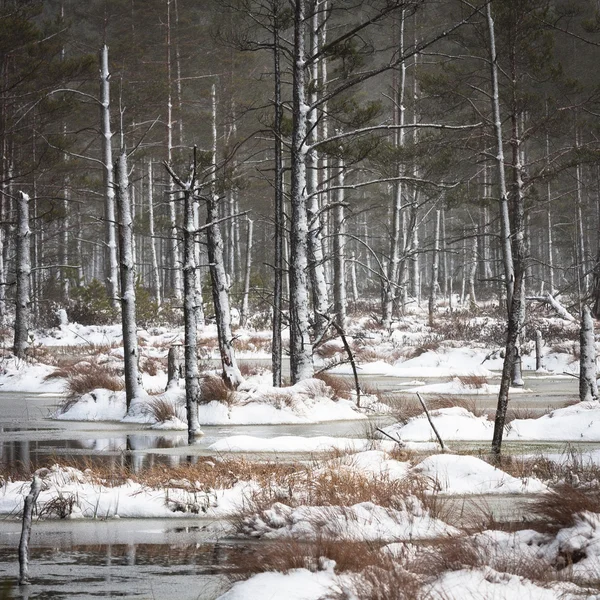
(560, 310)
(431, 422)
(397, 440)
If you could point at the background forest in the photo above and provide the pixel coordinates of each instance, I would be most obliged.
(376, 148)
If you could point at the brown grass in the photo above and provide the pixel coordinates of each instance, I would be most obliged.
(152, 366)
(474, 382)
(213, 388)
(247, 369)
(162, 409)
(342, 387)
(559, 508)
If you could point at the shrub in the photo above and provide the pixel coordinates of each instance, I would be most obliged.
(163, 409)
(92, 306)
(214, 388)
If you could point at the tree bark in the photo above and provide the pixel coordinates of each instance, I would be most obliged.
(23, 272)
(28, 508)
(248, 266)
(339, 253)
(111, 266)
(588, 388)
(301, 360)
(127, 268)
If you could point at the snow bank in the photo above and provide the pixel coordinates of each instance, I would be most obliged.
(453, 474)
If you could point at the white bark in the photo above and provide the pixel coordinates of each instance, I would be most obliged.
(339, 252)
(315, 226)
(192, 382)
(156, 283)
(174, 246)
(28, 507)
(244, 311)
(505, 237)
(219, 279)
(111, 267)
(127, 268)
(588, 388)
(389, 292)
(301, 361)
(23, 272)
(539, 342)
(435, 267)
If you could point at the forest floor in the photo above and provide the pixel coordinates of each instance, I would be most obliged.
(385, 515)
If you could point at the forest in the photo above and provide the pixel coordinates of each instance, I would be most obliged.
(349, 191)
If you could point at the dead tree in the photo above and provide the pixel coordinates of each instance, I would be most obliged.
(23, 269)
(588, 388)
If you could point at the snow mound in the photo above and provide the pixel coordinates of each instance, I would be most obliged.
(362, 522)
(452, 474)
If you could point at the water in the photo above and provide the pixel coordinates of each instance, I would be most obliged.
(155, 558)
(149, 558)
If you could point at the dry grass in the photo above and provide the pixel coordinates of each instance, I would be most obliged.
(214, 388)
(247, 369)
(474, 382)
(152, 366)
(559, 508)
(83, 377)
(342, 387)
(163, 409)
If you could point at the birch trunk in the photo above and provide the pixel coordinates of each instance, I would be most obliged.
(156, 284)
(315, 225)
(301, 361)
(248, 266)
(111, 267)
(23, 276)
(276, 342)
(505, 236)
(220, 283)
(174, 245)
(192, 383)
(435, 267)
(339, 253)
(588, 388)
(390, 290)
(128, 319)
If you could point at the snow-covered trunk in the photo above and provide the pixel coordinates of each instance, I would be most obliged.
(156, 283)
(198, 261)
(64, 243)
(219, 279)
(3, 245)
(581, 253)
(111, 265)
(127, 268)
(23, 276)
(505, 235)
(390, 289)
(315, 225)
(174, 235)
(339, 253)
(539, 343)
(435, 267)
(248, 266)
(192, 382)
(276, 342)
(353, 282)
(472, 271)
(28, 508)
(588, 388)
(301, 360)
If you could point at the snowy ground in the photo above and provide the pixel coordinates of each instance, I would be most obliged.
(378, 492)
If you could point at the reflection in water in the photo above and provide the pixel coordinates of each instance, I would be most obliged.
(124, 451)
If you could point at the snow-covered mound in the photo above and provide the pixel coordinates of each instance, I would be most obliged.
(453, 474)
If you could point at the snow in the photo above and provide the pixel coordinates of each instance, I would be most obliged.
(298, 584)
(291, 443)
(365, 522)
(453, 474)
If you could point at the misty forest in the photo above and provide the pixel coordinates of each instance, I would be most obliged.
(320, 275)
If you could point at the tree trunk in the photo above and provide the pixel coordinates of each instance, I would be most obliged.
(276, 342)
(220, 284)
(390, 285)
(128, 318)
(111, 266)
(192, 384)
(153, 256)
(23, 271)
(339, 253)
(244, 311)
(588, 388)
(28, 508)
(301, 361)
(435, 267)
